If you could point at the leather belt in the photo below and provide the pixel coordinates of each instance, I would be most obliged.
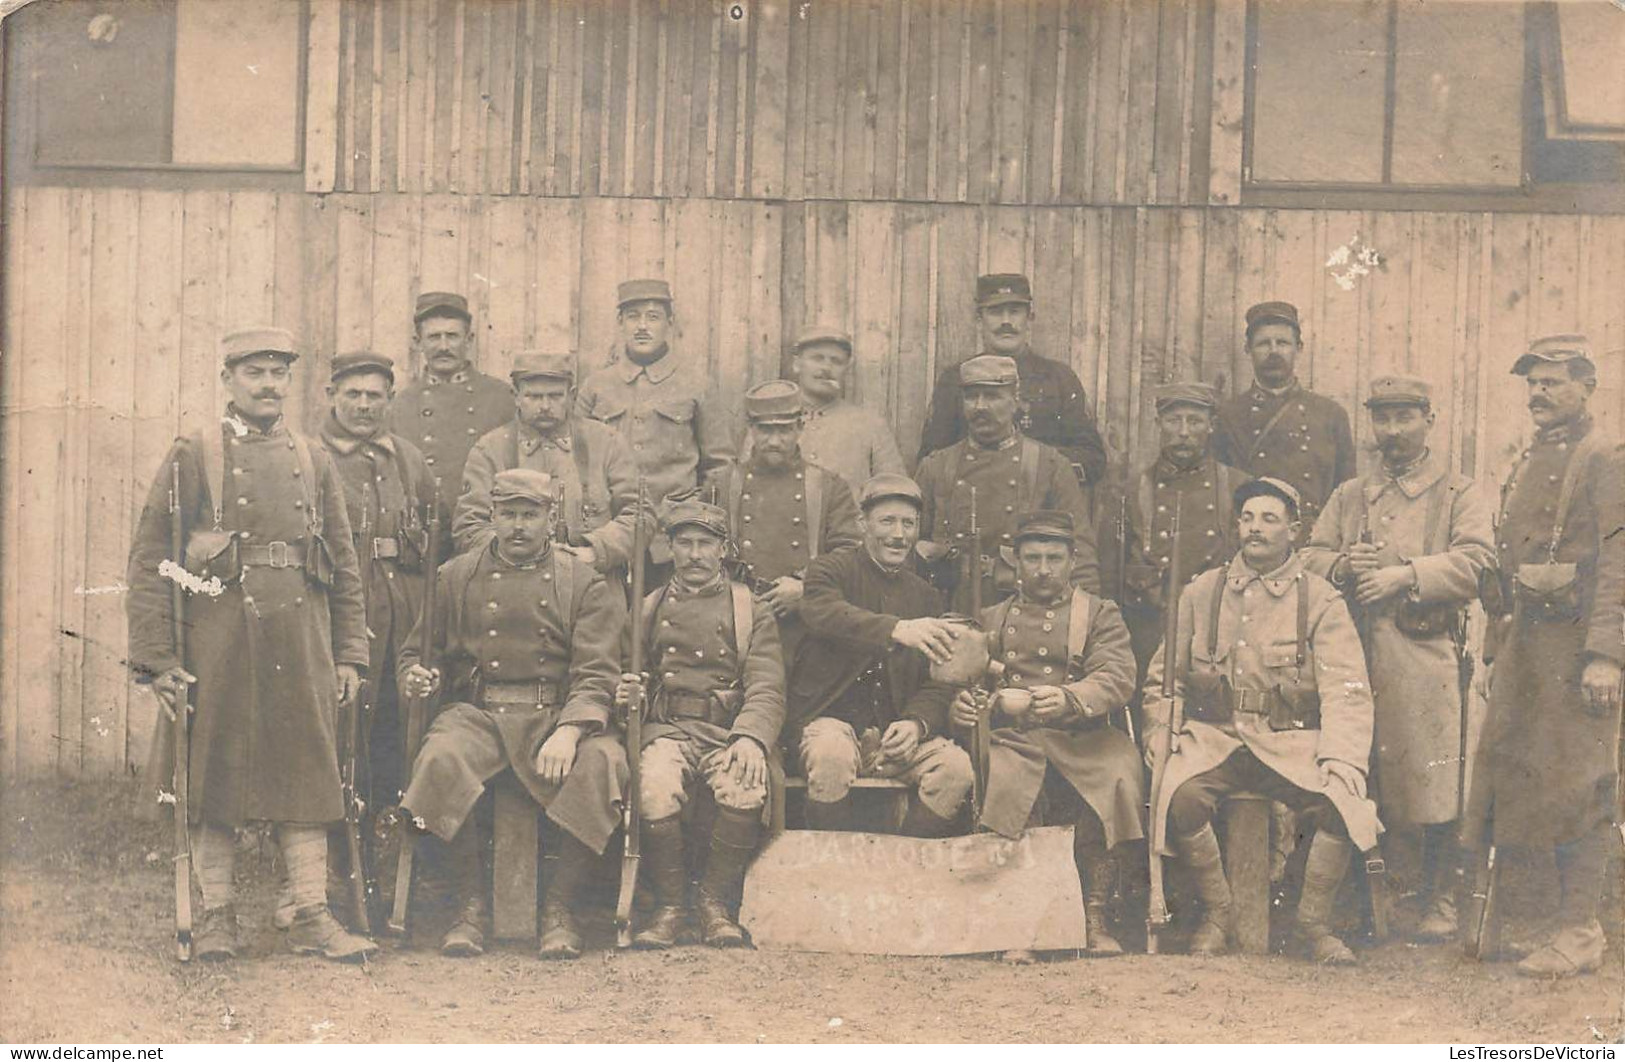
(385, 548)
(1251, 702)
(688, 706)
(271, 555)
(502, 698)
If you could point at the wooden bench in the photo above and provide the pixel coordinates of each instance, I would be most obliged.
(890, 794)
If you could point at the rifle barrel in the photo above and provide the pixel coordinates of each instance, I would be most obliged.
(631, 825)
(417, 708)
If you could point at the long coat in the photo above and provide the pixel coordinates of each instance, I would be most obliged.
(1414, 681)
(1548, 767)
(263, 742)
(444, 419)
(1097, 759)
(1258, 613)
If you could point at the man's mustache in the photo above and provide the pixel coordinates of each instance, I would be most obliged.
(267, 394)
(1005, 330)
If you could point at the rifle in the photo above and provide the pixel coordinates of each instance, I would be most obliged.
(982, 733)
(182, 728)
(349, 752)
(1122, 595)
(417, 710)
(1157, 917)
(631, 821)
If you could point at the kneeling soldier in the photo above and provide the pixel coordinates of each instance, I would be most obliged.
(716, 712)
(528, 637)
(1068, 665)
(862, 702)
(1276, 702)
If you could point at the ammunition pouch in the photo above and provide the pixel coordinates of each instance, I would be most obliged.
(1547, 593)
(1421, 622)
(1294, 706)
(1208, 696)
(213, 554)
(319, 560)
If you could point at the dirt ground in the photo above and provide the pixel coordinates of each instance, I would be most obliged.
(86, 956)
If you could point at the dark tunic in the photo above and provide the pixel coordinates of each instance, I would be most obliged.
(769, 518)
(1057, 413)
(851, 607)
(1309, 444)
(1097, 759)
(444, 419)
(264, 650)
(1548, 766)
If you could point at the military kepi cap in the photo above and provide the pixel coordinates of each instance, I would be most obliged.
(1055, 524)
(889, 485)
(641, 291)
(1272, 312)
(441, 304)
(362, 361)
(1555, 350)
(1399, 391)
(773, 402)
(821, 333)
(514, 484)
(246, 342)
(996, 289)
(537, 364)
(1185, 394)
(692, 512)
(1273, 487)
(989, 370)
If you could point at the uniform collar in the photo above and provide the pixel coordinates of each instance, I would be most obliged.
(345, 442)
(1241, 575)
(711, 589)
(1004, 444)
(658, 371)
(502, 562)
(1163, 468)
(1412, 480)
(1572, 431)
(881, 569)
(241, 426)
(530, 440)
(1262, 393)
(460, 376)
(810, 411)
(796, 468)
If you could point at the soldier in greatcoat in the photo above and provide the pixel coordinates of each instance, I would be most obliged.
(783, 510)
(528, 638)
(275, 640)
(1054, 407)
(1278, 427)
(1010, 473)
(715, 710)
(1273, 699)
(862, 702)
(592, 471)
(1406, 544)
(451, 404)
(1054, 757)
(1548, 775)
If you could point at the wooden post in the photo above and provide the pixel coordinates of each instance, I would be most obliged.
(1247, 865)
(516, 842)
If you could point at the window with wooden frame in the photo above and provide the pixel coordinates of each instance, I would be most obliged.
(1447, 102)
(186, 86)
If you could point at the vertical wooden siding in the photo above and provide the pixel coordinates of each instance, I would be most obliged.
(114, 300)
(979, 101)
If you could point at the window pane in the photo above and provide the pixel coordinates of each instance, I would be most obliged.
(102, 73)
(1318, 91)
(1593, 41)
(1458, 92)
(237, 82)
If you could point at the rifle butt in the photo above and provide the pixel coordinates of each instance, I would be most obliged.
(183, 839)
(623, 903)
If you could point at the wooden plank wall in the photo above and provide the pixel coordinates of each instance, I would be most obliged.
(979, 101)
(110, 336)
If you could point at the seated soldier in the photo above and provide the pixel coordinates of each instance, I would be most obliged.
(527, 638)
(1066, 666)
(862, 702)
(1275, 699)
(717, 706)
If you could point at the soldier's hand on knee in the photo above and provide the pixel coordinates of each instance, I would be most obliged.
(900, 740)
(746, 763)
(421, 681)
(348, 679)
(1600, 684)
(1347, 775)
(932, 636)
(169, 685)
(558, 754)
(963, 710)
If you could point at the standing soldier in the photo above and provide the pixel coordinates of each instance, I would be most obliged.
(387, 487)
(527, 636)
(451, 403)
(850, 440)
(1137, 524)
(595, 478)
(1270, 697)
(862, 702)
(1406, 544)
(280, 644)
(715, 716)
(1009, 473)
(1548, 773)
(1055, 410)
(1277, 427)
(657, 404)
(1067, 666)
(783, 511)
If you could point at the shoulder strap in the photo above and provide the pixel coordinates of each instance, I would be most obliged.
(744, 616)
(312, 489)
(1303, 619)
(1213, 612)
(1269, 426)
(1029, 473)
(736, 497)
(1571, 481)
(408, 481)
(564, 586)
(651, 616)
(1001, 613)
(513, 443)
(1077, 624)
(1144, 499)
(1436, 532)
(815, 510)
(213, 445)
(950, 470)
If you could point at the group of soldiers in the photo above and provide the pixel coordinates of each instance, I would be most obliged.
(1274, 624)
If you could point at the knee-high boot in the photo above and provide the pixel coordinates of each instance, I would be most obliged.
(1200, 854)
(733, 842)
(663, 859)
(1322, 874)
